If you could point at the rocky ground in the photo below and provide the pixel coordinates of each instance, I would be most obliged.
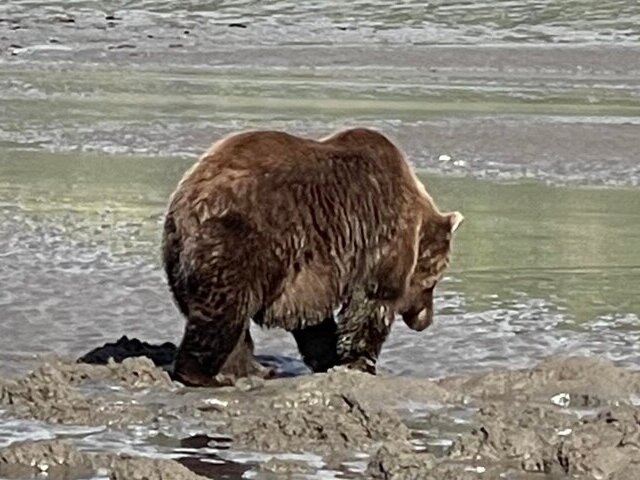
(565, 418)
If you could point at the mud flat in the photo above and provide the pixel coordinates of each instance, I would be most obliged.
(567, 417)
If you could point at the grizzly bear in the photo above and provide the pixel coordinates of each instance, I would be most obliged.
(285, 230)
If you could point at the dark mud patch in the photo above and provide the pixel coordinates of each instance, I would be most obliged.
(564, 418)
(161, 355)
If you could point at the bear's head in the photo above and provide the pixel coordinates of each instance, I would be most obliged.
(416, 306)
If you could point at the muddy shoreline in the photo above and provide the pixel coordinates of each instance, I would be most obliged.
(568, 417)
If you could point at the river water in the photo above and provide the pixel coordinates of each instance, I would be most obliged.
(523, 115)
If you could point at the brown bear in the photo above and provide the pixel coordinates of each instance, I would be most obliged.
(286, 230)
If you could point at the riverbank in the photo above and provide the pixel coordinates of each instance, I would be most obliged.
(572, 416)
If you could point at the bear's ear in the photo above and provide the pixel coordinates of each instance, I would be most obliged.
(455, 219)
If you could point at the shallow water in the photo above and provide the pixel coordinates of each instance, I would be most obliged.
(321, 21)
(512, 89)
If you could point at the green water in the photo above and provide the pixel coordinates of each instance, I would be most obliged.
(575, 247)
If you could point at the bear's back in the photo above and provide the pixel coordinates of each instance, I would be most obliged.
(356, 169)
(264, 150)
(274, 169)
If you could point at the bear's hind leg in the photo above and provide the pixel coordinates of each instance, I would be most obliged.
(210, 338)
(317, 345)
(215, 286)
(242, 363)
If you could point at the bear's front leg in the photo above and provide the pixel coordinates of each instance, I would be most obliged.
(362, 328)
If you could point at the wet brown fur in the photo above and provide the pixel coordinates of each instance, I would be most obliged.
(283, 229)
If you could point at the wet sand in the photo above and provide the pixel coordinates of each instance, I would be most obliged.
(572, 417)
